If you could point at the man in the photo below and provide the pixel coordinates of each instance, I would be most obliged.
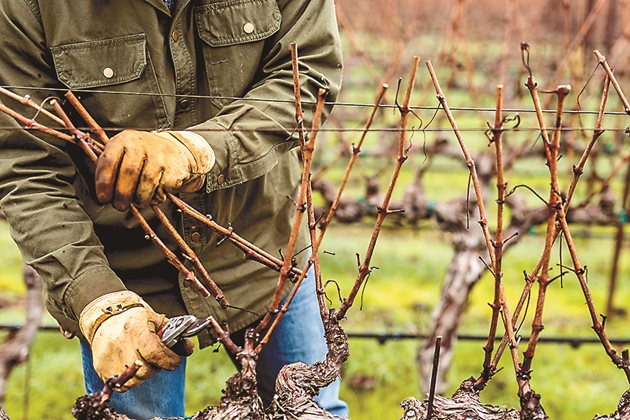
(214, 78)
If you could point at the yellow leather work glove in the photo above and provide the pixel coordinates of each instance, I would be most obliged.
(140, 167)
(121, 328)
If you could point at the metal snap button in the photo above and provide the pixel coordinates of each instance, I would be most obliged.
(108, 72)
(248, 28)
(195, 237)
(221, 179)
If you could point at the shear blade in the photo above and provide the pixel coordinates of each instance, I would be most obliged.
(196, 327)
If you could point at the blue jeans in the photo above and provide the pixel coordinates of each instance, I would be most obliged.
(298, 338)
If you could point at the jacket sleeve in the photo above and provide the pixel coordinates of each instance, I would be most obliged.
(249, 135)
(38, 179)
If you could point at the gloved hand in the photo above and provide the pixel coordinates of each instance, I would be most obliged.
(140, 167)
(121, 328)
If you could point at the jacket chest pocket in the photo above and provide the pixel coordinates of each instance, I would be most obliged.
(233, 34)
(121, 83)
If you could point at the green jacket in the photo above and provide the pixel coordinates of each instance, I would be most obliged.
(219, 68)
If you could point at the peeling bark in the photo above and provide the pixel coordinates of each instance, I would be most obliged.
(86, 408)
(531, 409)
(241, 399)
(298, 384)
(296, 388)
(464, 405)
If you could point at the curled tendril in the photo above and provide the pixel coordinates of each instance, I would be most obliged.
(331, 281)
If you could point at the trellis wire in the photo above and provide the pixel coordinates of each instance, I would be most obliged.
(383, 337)
(305, 102)
(341, 130)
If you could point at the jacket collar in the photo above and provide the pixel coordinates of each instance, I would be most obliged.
(160, 5)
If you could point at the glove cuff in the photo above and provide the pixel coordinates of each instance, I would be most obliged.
(105, 307)
(198, 147)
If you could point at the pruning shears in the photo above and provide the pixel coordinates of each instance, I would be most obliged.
(180, 327)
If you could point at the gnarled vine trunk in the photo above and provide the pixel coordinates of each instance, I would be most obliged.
(464, 405)
(296, 388)
(298, 384)
(464, 271)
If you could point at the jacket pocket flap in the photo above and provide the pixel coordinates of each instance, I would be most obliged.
(237, 21)
(100, 63)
